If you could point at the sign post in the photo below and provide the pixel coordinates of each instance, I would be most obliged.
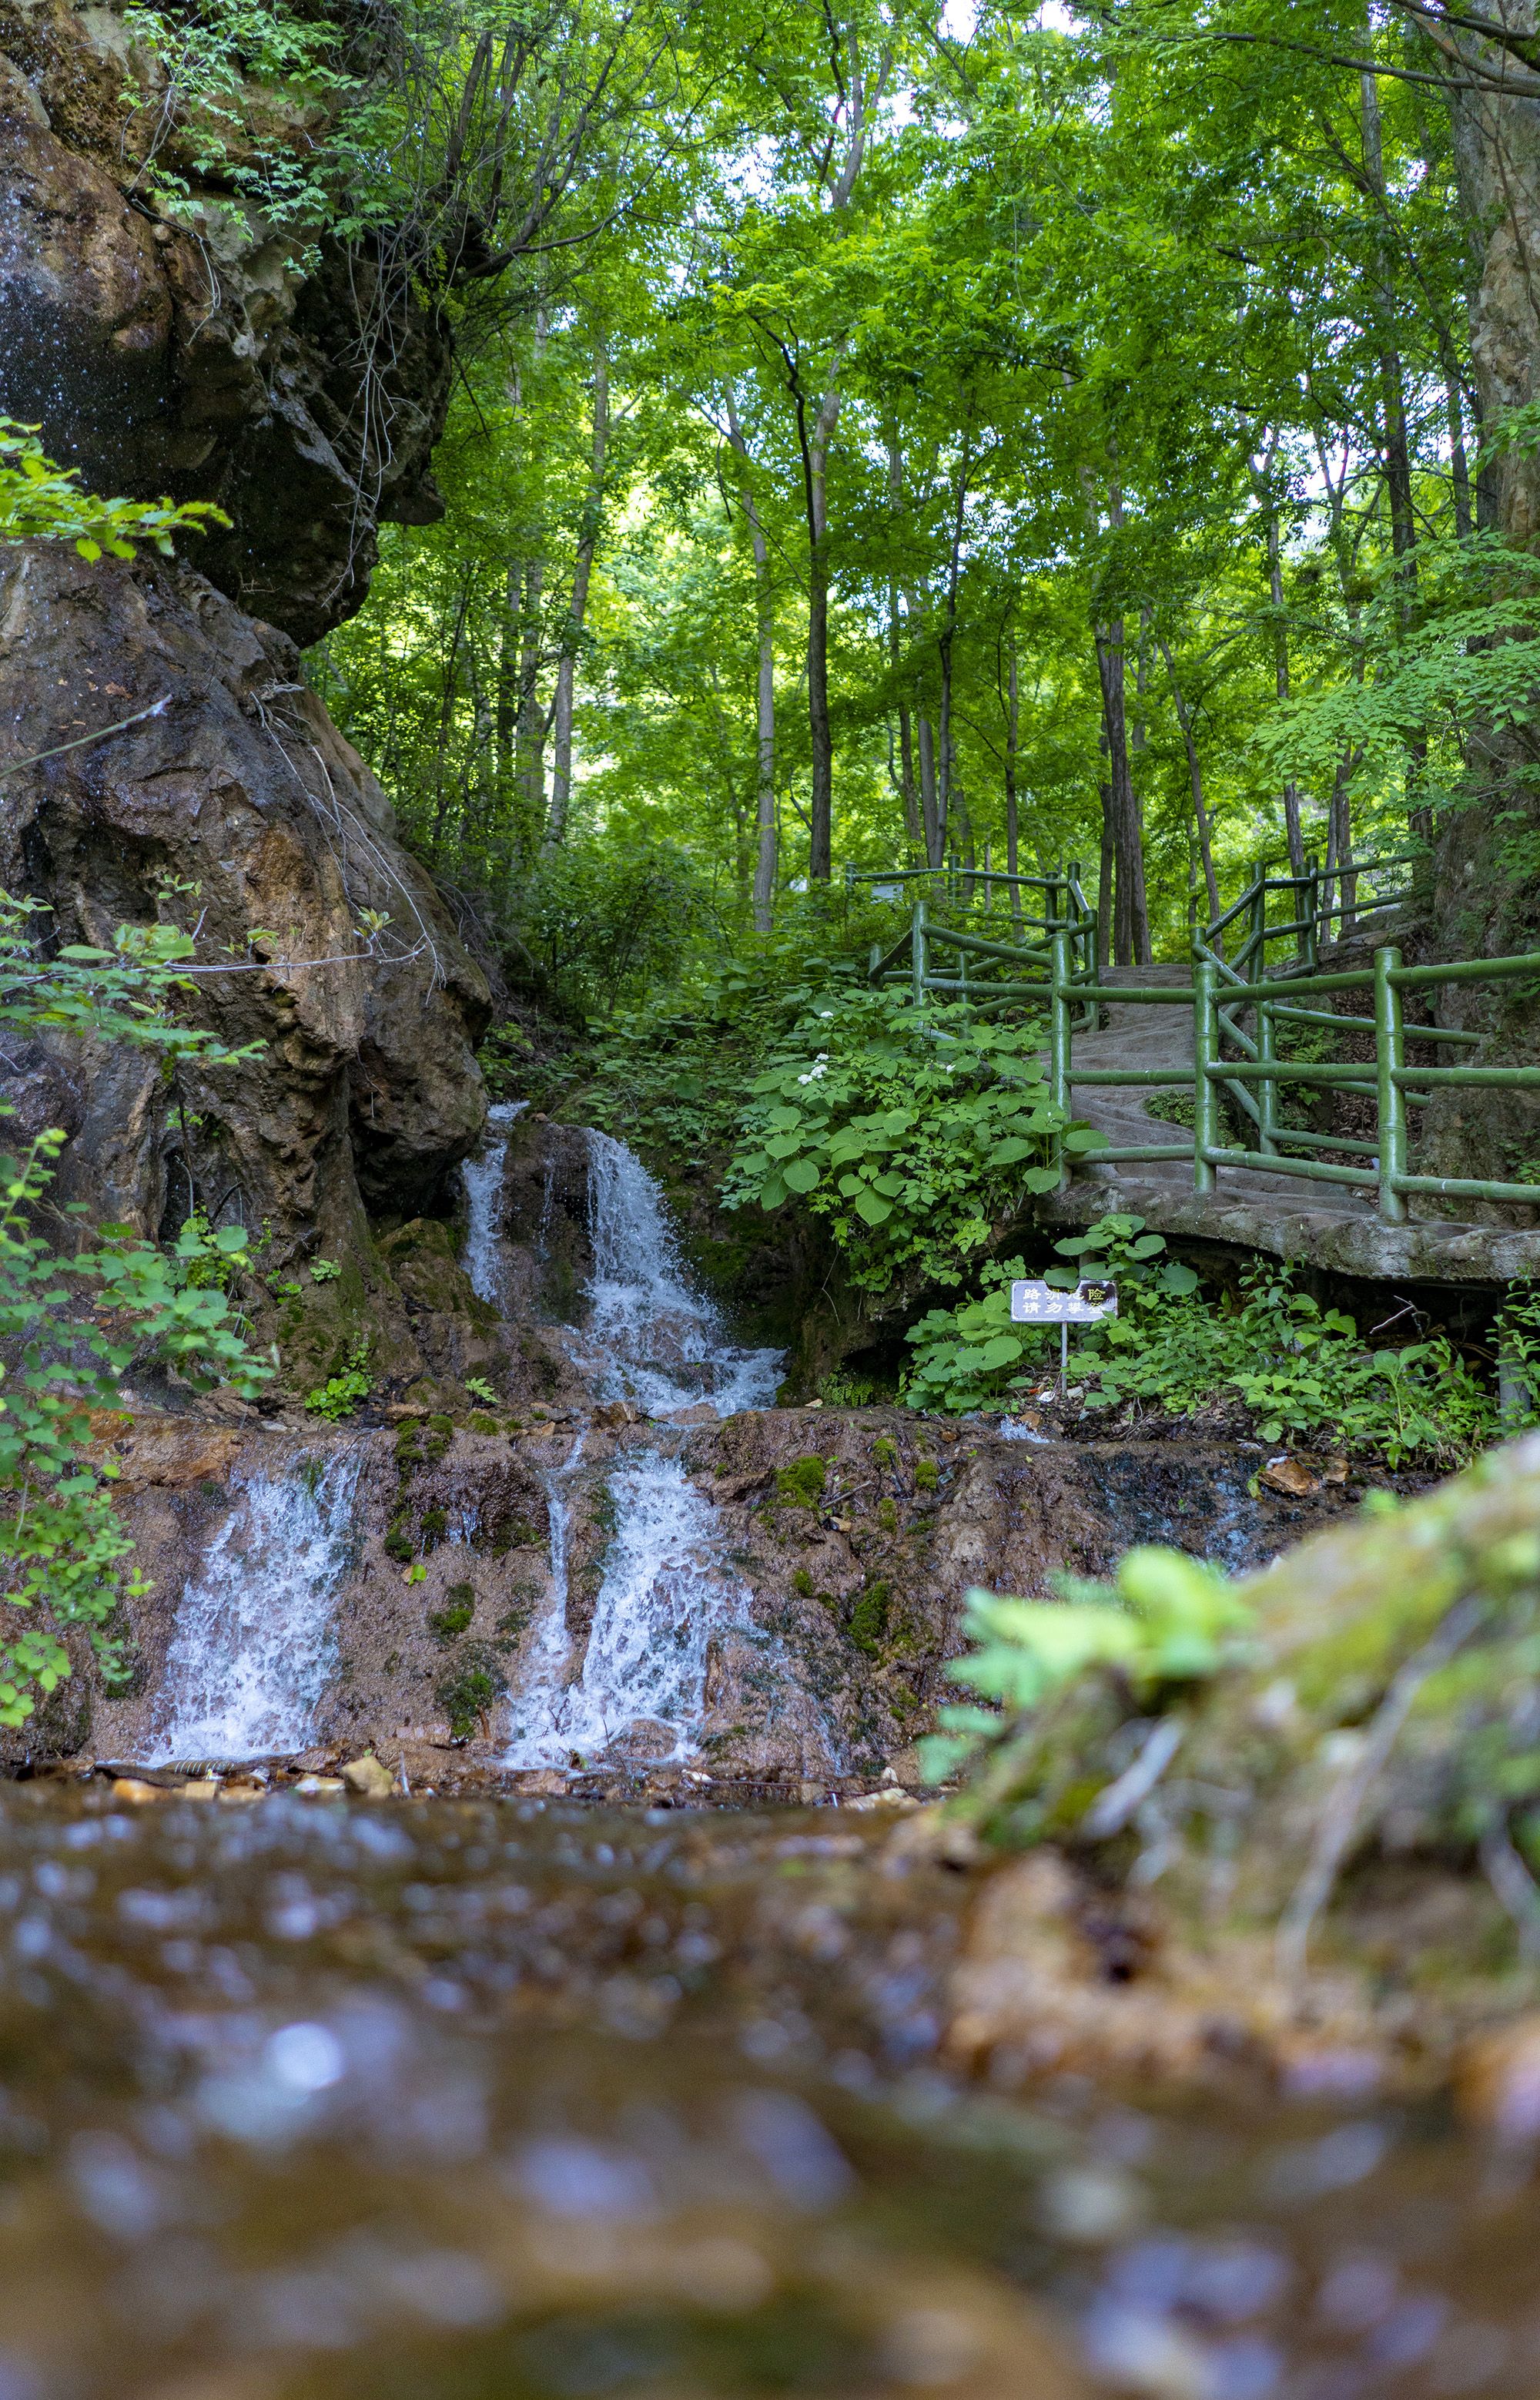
(1040, 1304)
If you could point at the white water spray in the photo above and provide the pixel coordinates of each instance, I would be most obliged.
(659, 1344)
(253, 1643)
(484, 1190)
(644, 1672)
(665, 1588)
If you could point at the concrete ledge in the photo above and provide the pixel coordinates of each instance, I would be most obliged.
(1351, 1244)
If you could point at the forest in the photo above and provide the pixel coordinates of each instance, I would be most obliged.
(690, 1704)
(1028, 438)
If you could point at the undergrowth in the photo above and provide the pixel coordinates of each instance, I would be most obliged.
(1174, 1346)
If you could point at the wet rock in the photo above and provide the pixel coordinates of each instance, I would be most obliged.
(539, 1782)
(619, 1412)
(366, 1090)
(200, 357)
(1291, 1475)
(369, 1779)
(1497, 2081)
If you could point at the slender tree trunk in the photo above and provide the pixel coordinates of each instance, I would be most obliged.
(821, 807)
(533, 718)
(1194, 777)
(572, 633)
(1131, 925)
(508, 674)
(1013, 734)
(934, 832)
(913, 832)
(1397, 448)
(763, 608)
(1459, 463)
(446, 713)
(1106, 863)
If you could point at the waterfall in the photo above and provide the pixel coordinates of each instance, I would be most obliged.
(664, 1588)
(645, 1668)
(483, 1190)
(659, 1344)
(253, 1642)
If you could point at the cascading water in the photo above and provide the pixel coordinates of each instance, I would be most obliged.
(253, 1643)
(659, 1344)
(484, 1185)
(665, 1588)
(644, 1672)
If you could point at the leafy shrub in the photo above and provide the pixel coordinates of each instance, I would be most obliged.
(909, 1133)
(1167, 1620)
(1297, 1367)
(341, 1394)
(324, 1270)
(42, 502)
(480, 1389)
(965, 1355)
(61, 1543)
(469, 1690)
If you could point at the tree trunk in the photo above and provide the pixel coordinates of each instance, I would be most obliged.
(1398, 452)
(945, 645)
(764, 611)
(935, 833)
(572, 632)
(533, 718)
(1194, 777)
(913, 832)
(1131, 924)
(1013, 730)
(821, 806)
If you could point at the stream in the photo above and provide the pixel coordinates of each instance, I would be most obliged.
(302, 2093)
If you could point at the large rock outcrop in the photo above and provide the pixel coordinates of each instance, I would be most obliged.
(240, 809)
(188, 352)
(201, 351)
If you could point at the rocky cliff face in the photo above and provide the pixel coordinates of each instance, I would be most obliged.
(194, 357)
(241, 807)
(190, 354)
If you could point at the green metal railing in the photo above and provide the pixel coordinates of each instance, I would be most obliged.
(1060, 970)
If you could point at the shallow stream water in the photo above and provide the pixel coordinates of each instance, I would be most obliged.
(307, 2096)
(302, 2095)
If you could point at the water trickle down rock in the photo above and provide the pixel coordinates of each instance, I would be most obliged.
(254, 1642)
(484, 1255)
(626, 1669)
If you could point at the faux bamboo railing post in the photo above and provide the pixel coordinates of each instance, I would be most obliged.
(1267, 1090)
(917, 952)
(1060, 1039)
(1389, 1059)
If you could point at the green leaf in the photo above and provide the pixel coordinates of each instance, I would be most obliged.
(873, 1210)
(801, 1176)
(773, 1192)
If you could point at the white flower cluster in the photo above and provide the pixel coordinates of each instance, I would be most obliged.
(818, 1069)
